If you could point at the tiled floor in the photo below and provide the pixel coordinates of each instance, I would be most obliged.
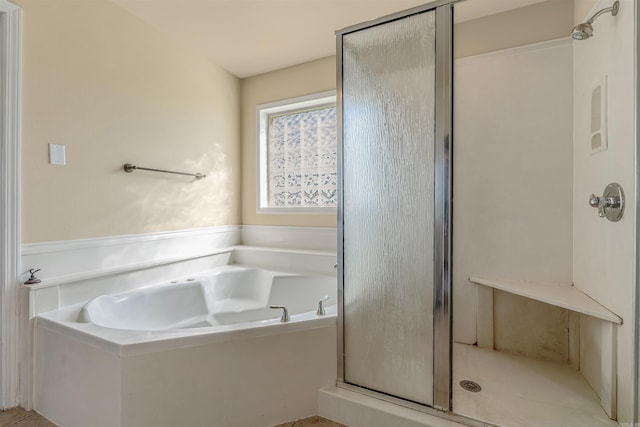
(523, 392)
(311, 422)
(18, 417)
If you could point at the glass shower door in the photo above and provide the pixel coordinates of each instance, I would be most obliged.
(393, 209)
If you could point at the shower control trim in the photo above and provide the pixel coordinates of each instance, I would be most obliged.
(611, 204)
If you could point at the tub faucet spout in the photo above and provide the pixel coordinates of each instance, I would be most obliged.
(285, 312)
(320, 311)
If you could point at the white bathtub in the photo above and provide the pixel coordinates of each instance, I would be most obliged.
(229, 296)
(209, 343)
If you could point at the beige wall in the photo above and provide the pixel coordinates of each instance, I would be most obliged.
(541, 21)
(115, 90)
(472, 38)
(582, 9)
(304, 79)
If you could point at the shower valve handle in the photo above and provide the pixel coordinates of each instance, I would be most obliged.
(603, 202)
(597, 202)
(610, 204)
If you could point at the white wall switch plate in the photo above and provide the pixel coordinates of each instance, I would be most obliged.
(57, 154)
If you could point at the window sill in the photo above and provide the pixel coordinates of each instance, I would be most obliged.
(297, 211)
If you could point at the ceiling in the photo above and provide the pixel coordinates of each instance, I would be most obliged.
(249, 37)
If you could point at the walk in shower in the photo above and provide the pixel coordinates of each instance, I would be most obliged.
(513, 307)
(394, 272)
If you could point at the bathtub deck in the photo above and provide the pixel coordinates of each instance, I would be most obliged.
(522, 392)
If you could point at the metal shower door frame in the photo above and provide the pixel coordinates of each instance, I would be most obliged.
(442, 310)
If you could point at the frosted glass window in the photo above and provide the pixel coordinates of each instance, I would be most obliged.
(298, 155)
(388, 174)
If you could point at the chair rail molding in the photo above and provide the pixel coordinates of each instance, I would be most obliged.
(10, 110)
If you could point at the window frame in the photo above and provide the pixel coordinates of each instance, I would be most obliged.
(263, 113)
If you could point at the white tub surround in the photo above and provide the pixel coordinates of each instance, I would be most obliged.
(298, 260)
(256, 380)
(144, 357)
(84, 269)
(313, 238)
(74, 272)
(79, 260)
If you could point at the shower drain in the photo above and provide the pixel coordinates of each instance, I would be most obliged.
(470, 386)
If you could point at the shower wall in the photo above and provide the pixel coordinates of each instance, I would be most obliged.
(522, 151)
(512, 194)
(603, 264)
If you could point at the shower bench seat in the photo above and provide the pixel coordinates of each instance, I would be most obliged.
(569, 297)
(561, 295)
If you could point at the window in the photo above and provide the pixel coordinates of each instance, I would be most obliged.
(297, 155)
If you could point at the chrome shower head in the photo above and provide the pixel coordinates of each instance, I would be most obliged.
(582, 31)
(585, 30)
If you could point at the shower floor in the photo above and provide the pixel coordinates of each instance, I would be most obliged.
(522, 392)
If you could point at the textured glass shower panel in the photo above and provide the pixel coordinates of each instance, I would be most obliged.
(388, 172)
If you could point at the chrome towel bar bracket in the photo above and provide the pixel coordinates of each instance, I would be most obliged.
(128, 167)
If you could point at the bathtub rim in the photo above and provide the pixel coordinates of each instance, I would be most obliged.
(130, 342)
(201, 279)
